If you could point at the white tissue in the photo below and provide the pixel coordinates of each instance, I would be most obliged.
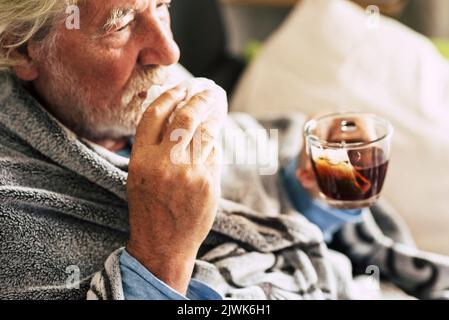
(194, 87)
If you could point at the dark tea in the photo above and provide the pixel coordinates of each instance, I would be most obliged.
(350, 152)
(360, 178)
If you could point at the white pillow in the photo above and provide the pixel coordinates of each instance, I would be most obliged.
(328, 57)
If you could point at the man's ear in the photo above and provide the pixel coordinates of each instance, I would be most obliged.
(26, 68)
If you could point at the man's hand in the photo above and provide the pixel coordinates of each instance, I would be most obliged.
(173, 194)
(304, 172)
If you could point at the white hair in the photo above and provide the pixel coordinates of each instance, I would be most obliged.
(67, 95)
(25, 20)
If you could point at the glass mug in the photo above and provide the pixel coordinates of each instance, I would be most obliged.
(350, 153)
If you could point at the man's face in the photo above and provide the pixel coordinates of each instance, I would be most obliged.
(94, 79)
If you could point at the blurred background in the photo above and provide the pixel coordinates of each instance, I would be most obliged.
(230, 31)
(248, 22)
(396, 73)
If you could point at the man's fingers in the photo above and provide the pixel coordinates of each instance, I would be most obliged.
(187, 120)
(158, 112)
(307, 179)
(208, 136)
(359, 130)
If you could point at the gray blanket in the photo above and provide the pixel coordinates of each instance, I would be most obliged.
(63, 224)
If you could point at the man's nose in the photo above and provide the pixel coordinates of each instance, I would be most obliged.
(158, 45)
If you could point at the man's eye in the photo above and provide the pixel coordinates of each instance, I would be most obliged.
(123, 28)
(164, 5)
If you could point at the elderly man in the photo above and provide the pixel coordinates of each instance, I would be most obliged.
(74, 102)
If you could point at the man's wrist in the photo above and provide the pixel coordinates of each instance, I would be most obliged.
(174, 269)
(328, 219)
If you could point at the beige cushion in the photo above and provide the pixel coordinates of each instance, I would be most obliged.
(328, 56)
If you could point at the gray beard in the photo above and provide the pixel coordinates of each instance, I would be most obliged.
(73, 105)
